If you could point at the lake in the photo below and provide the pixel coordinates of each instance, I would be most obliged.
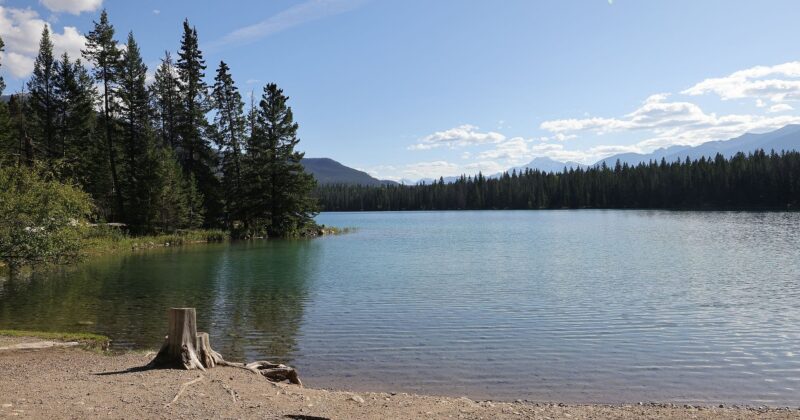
(569, 306)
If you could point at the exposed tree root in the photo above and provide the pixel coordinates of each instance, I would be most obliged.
(185, 347)
(183, 388)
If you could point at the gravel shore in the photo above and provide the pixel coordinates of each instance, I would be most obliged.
(69, 382)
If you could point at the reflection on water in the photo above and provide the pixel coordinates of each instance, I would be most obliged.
(583, 306)
(252, 306)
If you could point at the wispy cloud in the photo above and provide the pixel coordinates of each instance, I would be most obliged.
(74, 7)
(308, 11)
(666, 123)
(660, 120)
(776, 83)
(461, 136)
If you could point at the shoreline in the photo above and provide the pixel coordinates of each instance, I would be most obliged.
(71, 382)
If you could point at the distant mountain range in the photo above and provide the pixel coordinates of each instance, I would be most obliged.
(329, 171)
(545, 164)
(786, 138)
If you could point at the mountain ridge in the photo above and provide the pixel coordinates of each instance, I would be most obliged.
(328, 171)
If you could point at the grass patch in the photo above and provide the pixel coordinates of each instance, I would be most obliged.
(90, 340)
(103, 239)
(333, 230)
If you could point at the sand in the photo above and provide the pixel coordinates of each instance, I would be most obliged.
(71, 382)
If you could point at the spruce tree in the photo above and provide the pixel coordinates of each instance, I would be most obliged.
(22, 148)
(7, 149)
(196, 155)
(74, 98)
(42, 102)
(173, 199)
(102, 52)
(229, 132)
(166, 101)
(278, 189)
(2, 82)
(139, 165)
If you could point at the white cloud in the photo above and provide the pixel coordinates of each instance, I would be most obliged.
(21, 29)
(415, 171)
(75, 7)
(670, 123)
(19, 65)
(463, 135)
(775, 83)
(511, 150)
(780, 108)
(659, 121)
(296, 15)
(156, 11)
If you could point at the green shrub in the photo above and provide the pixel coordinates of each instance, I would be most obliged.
(42, 220)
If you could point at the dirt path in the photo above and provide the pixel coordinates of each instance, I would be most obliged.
(60, 382)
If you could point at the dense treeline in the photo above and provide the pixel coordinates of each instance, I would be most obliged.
(160, 156)
(758, 180)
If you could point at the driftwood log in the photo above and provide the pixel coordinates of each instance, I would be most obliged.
(186, 348)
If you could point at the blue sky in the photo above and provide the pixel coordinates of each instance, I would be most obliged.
(412, 89)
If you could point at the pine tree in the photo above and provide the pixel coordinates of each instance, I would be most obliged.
(2, 82)
(229, 130)
(278, 189)
(74, 98)
(176, 199)
(196, 211)
(7, 148)
(102, 52)
(139, 163)
(21, 142)
(196, 155)
(166, 99)
(42, 102)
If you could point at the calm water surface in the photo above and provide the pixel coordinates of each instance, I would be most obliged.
(583, 306)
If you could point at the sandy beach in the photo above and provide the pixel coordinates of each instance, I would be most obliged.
(72, 382)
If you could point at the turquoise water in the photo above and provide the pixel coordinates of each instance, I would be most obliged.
(583, 306)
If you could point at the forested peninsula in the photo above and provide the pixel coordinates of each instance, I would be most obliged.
(92, 141)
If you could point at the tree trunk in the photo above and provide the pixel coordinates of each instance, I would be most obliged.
(179, 347)
(185, 347)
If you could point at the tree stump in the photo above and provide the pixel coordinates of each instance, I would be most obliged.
(187, 348)
(180, 345)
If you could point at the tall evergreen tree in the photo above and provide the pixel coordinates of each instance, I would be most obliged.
(2, 82)
(102, 52)
(21, 148)
(196, 155)
(42, 101)
(230, 125)
(75, 116)
(139, 165)
(174, 193)
(278, 189)
(166, 100)
(6, 143)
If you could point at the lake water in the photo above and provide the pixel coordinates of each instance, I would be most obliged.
(574, 306)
